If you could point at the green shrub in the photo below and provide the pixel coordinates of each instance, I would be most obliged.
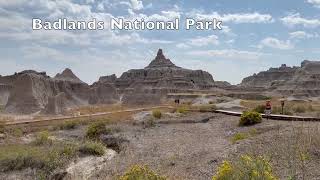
(299, 109)
(156, 114)
(149, 123)
(247, 167)
(2, 128)
(182, 110)
(141, 173)
(259, 109)
(42, 138)
(250, 118)
(17, 132)
(68, 125)
(96, 129)
(92, 148)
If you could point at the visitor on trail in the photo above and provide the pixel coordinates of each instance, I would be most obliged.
(268, 108)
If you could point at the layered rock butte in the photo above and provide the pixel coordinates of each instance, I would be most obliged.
(32, 92)
(297, 81)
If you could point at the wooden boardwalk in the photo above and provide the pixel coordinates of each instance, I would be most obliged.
(272, 116)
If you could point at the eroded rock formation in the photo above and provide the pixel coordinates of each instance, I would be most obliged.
(303, 80)
(162, 73)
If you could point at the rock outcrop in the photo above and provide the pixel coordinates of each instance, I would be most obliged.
(302, 81)
(67, 75)
(162, 73)
(34, 92)
(103, 92)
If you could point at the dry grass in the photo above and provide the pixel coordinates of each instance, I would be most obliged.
(294, 151)
(292, 107)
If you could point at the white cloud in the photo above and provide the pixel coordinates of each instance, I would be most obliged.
(204, 41)
(199, 42)
(182, 46)
(302, 35)
(296, 19)
(275, 43)
(235, 18)
(228, 54)
(315, 3)
(136, 4)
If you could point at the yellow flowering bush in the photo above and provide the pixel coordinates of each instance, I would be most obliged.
(141, 173)
(251, 168)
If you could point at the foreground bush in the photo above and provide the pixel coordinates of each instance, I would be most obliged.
(95, 130)
(247, 167)
(141, 173)
(92, 148)
(157, 114)
(250, 118)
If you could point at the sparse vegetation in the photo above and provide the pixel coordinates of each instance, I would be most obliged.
(250, 118)
(68, 125)
(243, 135)
(17, 132)
(156, 114)
(96, 129)
(2, 128)
(259, 109)
(92, 148)
(42, 138)
(299, 109)
(247, 167)
(239, 136)
(43, 159)
(149, 123)
(141, 173)
(181, 110)
(207, 108)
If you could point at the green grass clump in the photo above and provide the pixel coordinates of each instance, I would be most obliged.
(250, 118)
(17, 132)
(182, 110)
(239, 136)
(96, 129)
(156, 114)
(141, 173)
(259, 109)
(42, 138)
(68, 125)
(92, 148)
(246, 167)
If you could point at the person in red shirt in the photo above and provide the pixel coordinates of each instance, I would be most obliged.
(268, 108)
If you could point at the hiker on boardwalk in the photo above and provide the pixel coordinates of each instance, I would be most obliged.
(268, 108)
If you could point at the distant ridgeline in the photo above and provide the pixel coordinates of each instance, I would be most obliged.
(299, 81)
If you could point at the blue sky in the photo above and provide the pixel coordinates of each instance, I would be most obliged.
(256, 35)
